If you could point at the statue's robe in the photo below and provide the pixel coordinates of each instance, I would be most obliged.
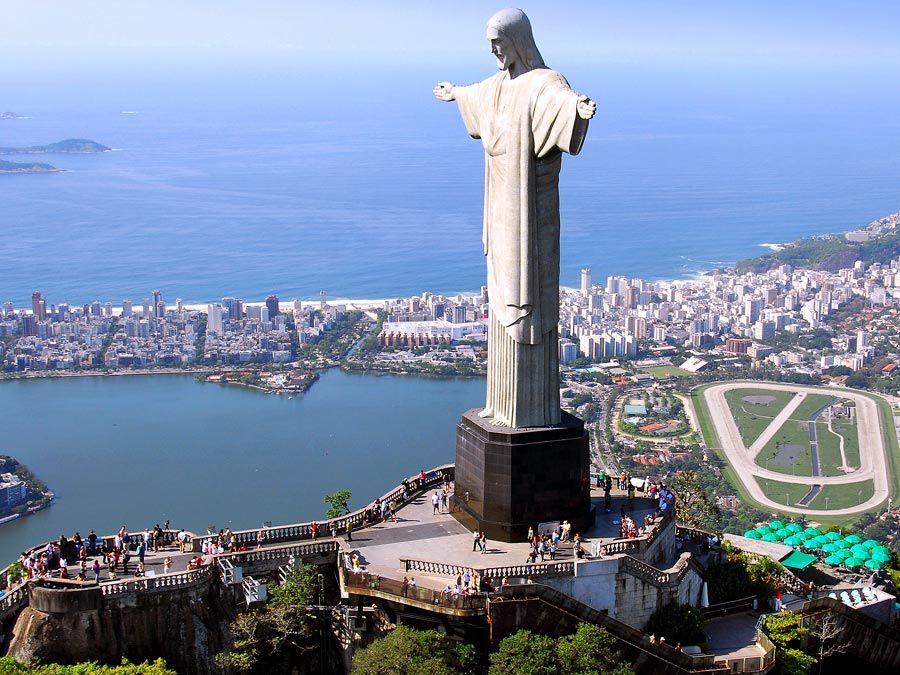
(525, 124)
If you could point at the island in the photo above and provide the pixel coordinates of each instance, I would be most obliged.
(32, 167)
(70, 146)
(10, 116)
(23, 492)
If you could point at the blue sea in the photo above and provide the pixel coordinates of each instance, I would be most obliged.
(286, 181)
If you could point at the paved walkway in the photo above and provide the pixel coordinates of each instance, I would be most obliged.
(733, 636)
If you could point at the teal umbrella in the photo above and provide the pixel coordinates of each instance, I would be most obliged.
(752, 534)
(841, 544)
(813, 531)
(873, 564)
(843, 554)
(762, 530)
(783, 533)
(829, 547)
(794, 528)
(770, 537)
(833, 536)
(881, 554)
(858, 549)
(776, 524)
(853, 539)
(870, 544)
(804, 536)
(793, 541)
(818, 542)
(861, 555)
(834, 560)
(852, 562)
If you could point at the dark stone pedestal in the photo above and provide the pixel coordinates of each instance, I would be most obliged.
(508, 480)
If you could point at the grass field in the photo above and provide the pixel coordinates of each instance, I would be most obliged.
(787, 494)
(842, 496)
(791, 432)
(663, 372)
(810, 404)
(751, 418)
(829, 450)
(848, 430)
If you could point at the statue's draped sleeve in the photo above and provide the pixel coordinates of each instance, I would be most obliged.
(472, 102)
(555, 123)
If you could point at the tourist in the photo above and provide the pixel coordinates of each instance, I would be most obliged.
(182, 538)
(422, 479)
(95, 568)
(435, 503)
(332, 527)
(404, 587)
(483, 542)
(476, 537)
(126, 556)
(778, 600)
(92, 542)
(167, 565)
(412, 583)
(467, 578)
(530, 534)
(314, 530)
(552, 550)
(141, 551)
(260, 538)
(348, 528)
(392, 510)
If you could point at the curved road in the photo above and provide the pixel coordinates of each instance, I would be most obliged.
(872, 452)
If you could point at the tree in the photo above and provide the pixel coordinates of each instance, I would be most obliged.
(279, 633)
(591, 650)
(337, 503)
(695, 508)
(826, 630)
(405, 651)
(785, 631)
(525, 653)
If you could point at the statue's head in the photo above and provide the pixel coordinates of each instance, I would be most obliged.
(509, 32)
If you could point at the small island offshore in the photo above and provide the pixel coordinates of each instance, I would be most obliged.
(70, 146)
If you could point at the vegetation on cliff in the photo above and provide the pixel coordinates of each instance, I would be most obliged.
(70, 146)
(38, 494)
(9, 666)
(22, 167)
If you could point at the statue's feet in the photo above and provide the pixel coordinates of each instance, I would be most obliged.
(487, 412)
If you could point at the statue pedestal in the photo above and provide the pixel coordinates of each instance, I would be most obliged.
(508, 480)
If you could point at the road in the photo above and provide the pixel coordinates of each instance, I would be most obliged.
(873, 453)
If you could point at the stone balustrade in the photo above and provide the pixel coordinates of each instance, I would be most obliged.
(164, 581)
(362, 583)
(453, 570)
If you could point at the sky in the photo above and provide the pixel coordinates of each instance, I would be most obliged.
(59, 35)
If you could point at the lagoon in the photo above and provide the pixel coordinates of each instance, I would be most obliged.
(139, 450)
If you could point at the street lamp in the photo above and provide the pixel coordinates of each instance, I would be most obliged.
(826, 503)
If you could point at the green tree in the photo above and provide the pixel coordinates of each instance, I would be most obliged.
(695, 507)
(591, 650)
(337, 503)
(405, 651)
(279, 633)
(525, 653)
(785, 631)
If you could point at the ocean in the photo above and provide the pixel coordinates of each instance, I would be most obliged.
(246, 183)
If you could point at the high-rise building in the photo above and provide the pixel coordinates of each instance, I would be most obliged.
(29, 325)
(323, 300)
(38, 306)
(214, 319)
(126, 309)
(585, 281)
(272, 306)
(157, 298)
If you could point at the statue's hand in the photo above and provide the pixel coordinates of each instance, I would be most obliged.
(586, 107)
(443, 91)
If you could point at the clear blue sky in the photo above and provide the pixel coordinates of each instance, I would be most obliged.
(60, 34)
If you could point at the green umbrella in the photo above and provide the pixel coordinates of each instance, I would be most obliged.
(833, 536)
(783, 533)
(818, 542)
(813, 531)
(752, 534)
(870, 544)
(852, 539)
(794, 528)
(776, 524)
(829, 547)
(834, 560)
(843, 554)
(873, 564)
(762, 529)
(881, 554)
(858, 549)
(852, 562)
(770, 537)
(841, 544)
(793, 541)
(861, 555)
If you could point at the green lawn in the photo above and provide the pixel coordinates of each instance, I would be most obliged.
(794, 433)
(810, 404)
(847, 429)
(663, 372)
(751, 418)
(843, 496)
(829, 451)
(787, 494)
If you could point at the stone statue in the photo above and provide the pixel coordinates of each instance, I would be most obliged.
(526, 116)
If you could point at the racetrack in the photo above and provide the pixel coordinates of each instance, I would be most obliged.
(872, 450)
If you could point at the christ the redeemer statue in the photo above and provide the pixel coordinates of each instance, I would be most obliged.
(526, 116)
